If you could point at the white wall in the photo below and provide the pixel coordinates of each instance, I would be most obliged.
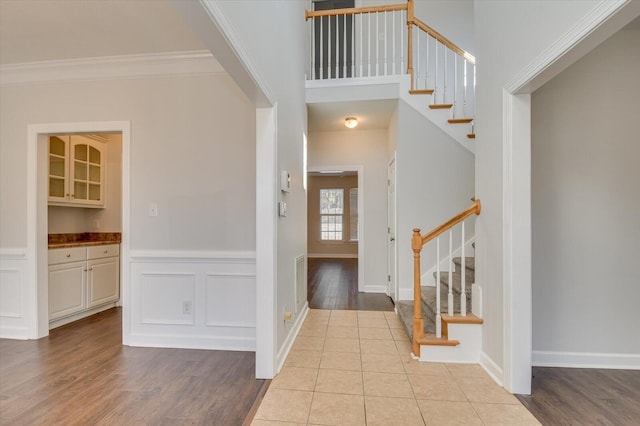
(190, 137)
(508, 37)
(367, 148)
(77, 220)
(274, 35)
(434, 181)
(585, 204)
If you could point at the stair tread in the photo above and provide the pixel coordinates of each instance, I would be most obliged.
(432, 340)
(429, 300)
(469, 263)
(440, 106)
(421, 92)
(471, 136)
(459, 319)
(460, 120)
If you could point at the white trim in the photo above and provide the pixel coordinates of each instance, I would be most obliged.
(192, 256)
(66, 320)
(576, 34)
(392, 203)
(372, 288)
(492, 369)
(516, 262)
(332, 256)
(36, 303)
(197, 62)
(13, 253)
(361, 213)
(266, 241)
(586, 360)
(222, 343)
(18, 333)
(291, 338)
(359, 81)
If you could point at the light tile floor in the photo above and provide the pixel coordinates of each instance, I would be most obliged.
(355, 368)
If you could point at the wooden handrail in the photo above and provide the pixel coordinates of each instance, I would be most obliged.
(442, 39)
(353, 10)
(474, 209)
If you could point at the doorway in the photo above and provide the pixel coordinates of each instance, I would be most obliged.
(38, 220)
(392, 260)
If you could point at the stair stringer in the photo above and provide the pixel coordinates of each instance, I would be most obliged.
(467, 352)
(438, 117)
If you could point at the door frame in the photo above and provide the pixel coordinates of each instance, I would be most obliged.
(391, 203)
(37, 307)
(361, 249)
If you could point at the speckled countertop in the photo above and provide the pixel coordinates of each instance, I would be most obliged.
(84, 239)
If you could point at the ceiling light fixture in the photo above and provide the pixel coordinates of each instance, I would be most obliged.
(351, 122)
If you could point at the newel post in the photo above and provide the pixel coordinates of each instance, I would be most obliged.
(410, 18)
(418, 322)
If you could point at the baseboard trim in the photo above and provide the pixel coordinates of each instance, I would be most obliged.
(492, 369)
(288, 343)
(66, 320)
(217, 343)
(586, 360)
(17, 333)
(332, 256)
(375, 289)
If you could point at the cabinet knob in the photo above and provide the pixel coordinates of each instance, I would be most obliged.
(69, 255)
(106, 251)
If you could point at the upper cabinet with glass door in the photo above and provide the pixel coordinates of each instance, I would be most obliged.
(76, 171)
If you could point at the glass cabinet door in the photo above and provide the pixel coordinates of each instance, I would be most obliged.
(88, 171)
(58, 173)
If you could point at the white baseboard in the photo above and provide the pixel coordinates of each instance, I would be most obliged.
(586, 360)
(332, 256)
(218, 343)
(370, 288)
(288, 343)
(18, 333)
(492, 369)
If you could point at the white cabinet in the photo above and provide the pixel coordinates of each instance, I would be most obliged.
(76, 171)
(82, 278)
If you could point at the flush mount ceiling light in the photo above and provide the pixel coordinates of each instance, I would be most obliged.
(351, 122)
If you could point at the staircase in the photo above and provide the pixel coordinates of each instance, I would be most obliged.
(428, 296)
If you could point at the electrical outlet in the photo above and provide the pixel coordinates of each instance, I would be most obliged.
(186, 307)
(96, 224)
(287, 316)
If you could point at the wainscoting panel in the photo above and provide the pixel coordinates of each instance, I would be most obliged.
(223, 292)
(13, 294)
(200, 300)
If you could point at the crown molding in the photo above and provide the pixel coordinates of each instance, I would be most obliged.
(197, 62)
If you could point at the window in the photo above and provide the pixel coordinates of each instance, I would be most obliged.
(353, 214)
(331, 211)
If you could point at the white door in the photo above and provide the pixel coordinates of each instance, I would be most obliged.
(391, 231)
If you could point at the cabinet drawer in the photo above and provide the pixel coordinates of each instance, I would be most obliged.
(65, 255)
(98, 252)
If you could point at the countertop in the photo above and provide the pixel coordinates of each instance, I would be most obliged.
(84, 239)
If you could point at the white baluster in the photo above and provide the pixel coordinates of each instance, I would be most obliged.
(426, 67)
(464, 93)
(361, 39)
(417, 62)
(450, 295)
(444, 75)
(353, 46)
(369, 47)
(337, 48)
(377, 44)
(455, 84)
(393, 38)
(312, 50)
(344, 47)
(463, 294)
(385, 43)
(402, 19)
(321, 53)
(435, 81)
(438, 316)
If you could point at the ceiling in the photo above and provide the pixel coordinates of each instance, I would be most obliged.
(371, 115)
(33, 30)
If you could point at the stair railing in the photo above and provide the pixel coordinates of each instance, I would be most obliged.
(389, 40)
(417, 243)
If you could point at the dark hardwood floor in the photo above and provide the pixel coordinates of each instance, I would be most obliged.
(333, 284)
(82, 375)
(575, 396)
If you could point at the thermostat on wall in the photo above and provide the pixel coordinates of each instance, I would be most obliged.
(285, 181)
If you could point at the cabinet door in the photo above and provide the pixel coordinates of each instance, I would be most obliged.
(67, 294)
(58, 169)
(87, 171)
(104, 281)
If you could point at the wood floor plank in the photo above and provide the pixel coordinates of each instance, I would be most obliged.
(333, 284)
(574, 396)
(81, 374)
